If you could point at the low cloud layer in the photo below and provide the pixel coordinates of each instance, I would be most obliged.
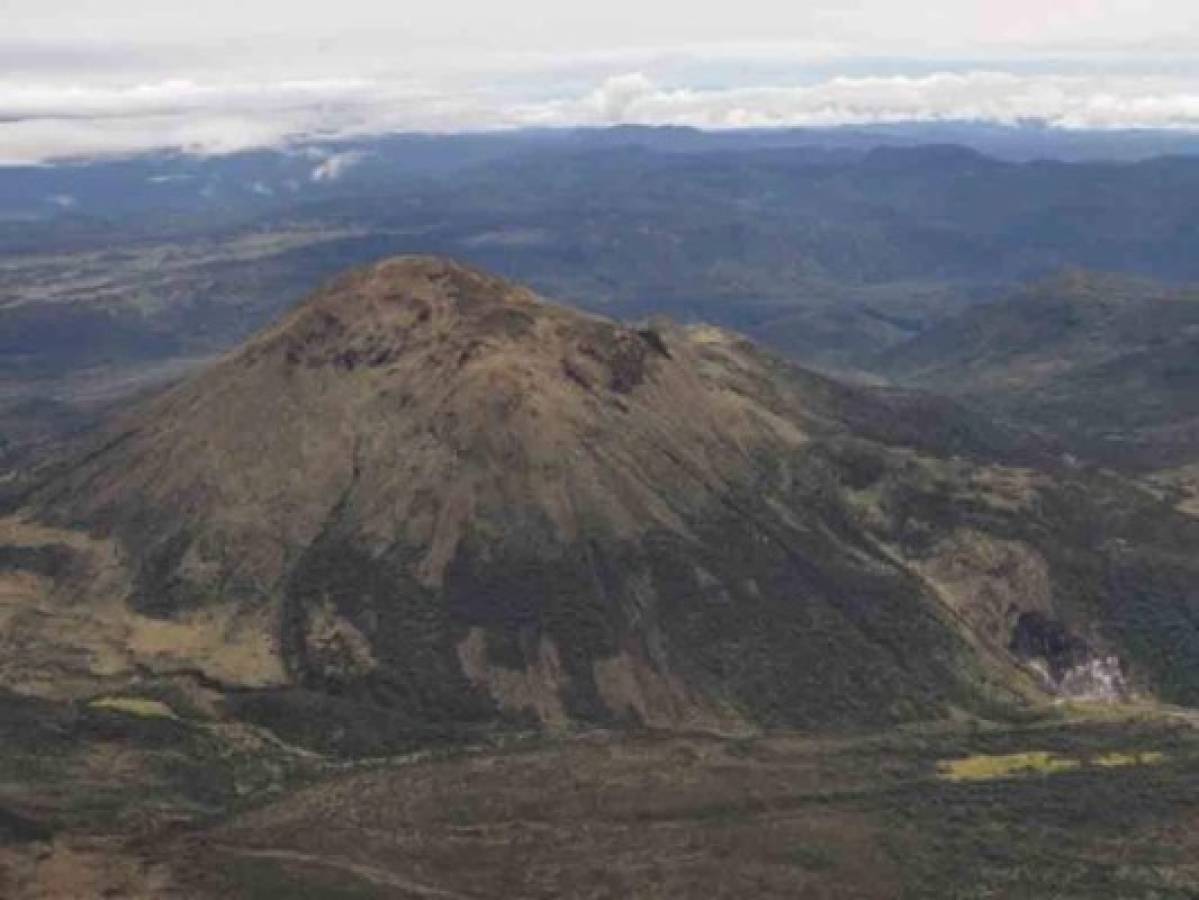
(46, 122)
(52, 120)
(1075, 101)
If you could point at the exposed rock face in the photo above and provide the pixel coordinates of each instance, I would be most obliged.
(1100, 678)
(1070, 667)
(428, 501)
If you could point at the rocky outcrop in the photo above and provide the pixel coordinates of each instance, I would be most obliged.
(1068, 665)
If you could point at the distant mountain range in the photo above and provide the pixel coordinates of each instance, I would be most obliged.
(255, 180)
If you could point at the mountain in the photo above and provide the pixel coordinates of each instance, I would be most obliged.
(1109, 364)
(428, 505)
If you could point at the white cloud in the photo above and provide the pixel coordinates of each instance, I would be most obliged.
(43, 122)
(21, 100)
(617, 95)
(337, 165)
(1072, 101)
(41, 139)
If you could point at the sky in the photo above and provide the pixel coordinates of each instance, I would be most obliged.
(84, 77)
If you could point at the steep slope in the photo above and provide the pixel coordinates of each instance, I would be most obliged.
(429, 503)
(1108, 363)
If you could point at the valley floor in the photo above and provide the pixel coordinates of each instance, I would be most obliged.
(1081, 804)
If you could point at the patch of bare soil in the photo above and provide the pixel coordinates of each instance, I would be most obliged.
(82, 869)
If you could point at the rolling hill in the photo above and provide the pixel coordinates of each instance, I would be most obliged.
(1106, 363)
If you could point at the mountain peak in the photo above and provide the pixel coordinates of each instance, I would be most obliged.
(410, 316)
(371, 314)
(432, 284)
(415, 278)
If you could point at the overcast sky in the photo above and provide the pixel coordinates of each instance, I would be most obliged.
(82, 77)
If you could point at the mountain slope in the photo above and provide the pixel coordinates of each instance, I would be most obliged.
(428, 503)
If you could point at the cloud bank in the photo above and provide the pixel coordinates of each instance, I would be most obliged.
(1070, 101)
(51, 120)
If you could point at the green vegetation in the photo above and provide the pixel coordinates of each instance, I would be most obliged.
(985, 768)
(134, 706)
(1036, 762)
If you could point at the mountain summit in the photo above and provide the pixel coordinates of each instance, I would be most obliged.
(428, 502)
